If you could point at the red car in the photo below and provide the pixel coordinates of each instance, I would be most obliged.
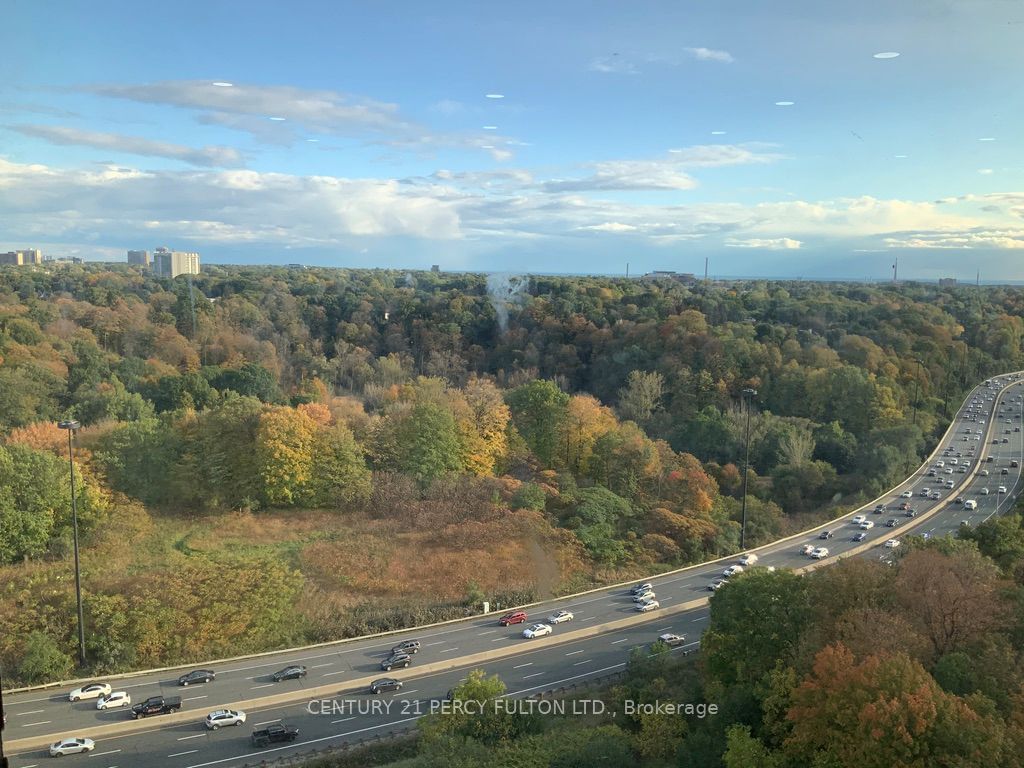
(516, 617)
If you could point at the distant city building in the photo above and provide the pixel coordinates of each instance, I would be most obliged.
(173, 263)
(22, 258)
(296, 266)
(435, 267)
(139, 258)
(947, 282)
(683, 277)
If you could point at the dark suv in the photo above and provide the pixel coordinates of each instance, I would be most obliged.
(396, 661)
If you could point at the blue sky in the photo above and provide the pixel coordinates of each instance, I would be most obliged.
(553, 137)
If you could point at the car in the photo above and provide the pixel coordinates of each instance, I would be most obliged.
(860, 536)
(385, 684)
(1005, 440)
(648, 595)
(984, 491)
(910, 513)
(71, 746)
(732, 570)
(407, 646)
(1014, 463)
(671, 640)
(958, 500)
(879, 507)
(858, 519)
(904, 505)
(1016, 429)
(293, 672)
(965, 522)
(924, 492)
(515, 617)
(748, 559)
(1002, 489)
(717, 584)
(984, 473)
(820, 553)
(90, 691)
(825, 535)
(197, 676)
(910, 494)
(223, 717)
(950, 484)
(1004, 471)
(806, 549)
(650, 605)
(867, 525)
(396, 661)
(934, 495)
(892, 522)
(949, 470)
(537, 630)
(988, 459)
(641, 588)
(559, 616)
(115, 699)
(892, 543)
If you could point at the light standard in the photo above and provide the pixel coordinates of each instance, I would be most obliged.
(3, 760)
(747, 394)
(71, 426)
(917, 387)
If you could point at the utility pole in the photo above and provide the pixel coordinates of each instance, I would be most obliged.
(705, 269)
(746, 395)
(71, 426)
(917, 389)
(895, 269)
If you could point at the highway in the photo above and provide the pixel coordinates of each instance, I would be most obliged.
(533, 665)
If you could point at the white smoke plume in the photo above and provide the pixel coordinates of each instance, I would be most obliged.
(504, 289)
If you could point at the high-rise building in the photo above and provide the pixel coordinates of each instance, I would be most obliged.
(22, 258)
(139, 258)
(173, 263)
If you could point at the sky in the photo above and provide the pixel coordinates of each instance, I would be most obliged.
(791, 139)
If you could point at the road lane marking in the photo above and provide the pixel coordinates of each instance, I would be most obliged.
(343, 720)
(438, 642)
(41, 722)
(179, 754)
(573, 653)
(488, 632)
(405, 693)
(663, 629)
(328, 674)
(528, 664)
(327, 664)
(585, 661)
(616, 642)
(535, 674)
(499, 639)
(449, 650)
(195, 698)
(265, 685)
(194, 736)
(101, 754)
(267, 722)
(33, 712)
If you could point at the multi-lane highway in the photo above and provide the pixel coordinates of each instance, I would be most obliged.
(986, 435)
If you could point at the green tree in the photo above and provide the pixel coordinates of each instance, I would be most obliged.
(339, 476)
(429, 444)
(43, 661)
(746, 751)
(641, 397)
(284, 454)
(538, 410)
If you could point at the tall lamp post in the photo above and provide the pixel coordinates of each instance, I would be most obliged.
(917, 387)
(71, 426)
(747, 395)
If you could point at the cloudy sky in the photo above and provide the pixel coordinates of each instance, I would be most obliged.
(795, 138)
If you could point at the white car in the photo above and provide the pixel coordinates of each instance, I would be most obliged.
(867, 525)
(91, 691)
(820, 553)
(892, 543)
(910, 494)
(859, 519)
(645, 587)
(222, 717)
(984, 473)
(116, 699)
(1002, 489)
(732, 570)
(671, 640)
(650, 605)
(71, 746)
(537, 630)
(559, 616)
(983, 491)
(748, 559)
(642, 596)
(806, 549)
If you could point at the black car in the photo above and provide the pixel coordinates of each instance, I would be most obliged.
(825, 535)
(289, 673)
(385, 684)
(406, 646)
(892, 522)
(197, 676)
(396, 661)
(1004, 471)
(860, 536)
(910, 513)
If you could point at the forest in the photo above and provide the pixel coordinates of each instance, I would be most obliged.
(259, 444)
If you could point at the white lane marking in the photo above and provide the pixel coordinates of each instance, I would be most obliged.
(535, 674)
(699, 618)
(438, 642)
(41, 722)
(520, 666)
(100, 754)
(449, 650)
(573, 653)
(663, 629)
(499, 639)
(328, 674)
(33, 712)
(195, 736)
(317, 666)
(616, 642)
(267, 722)
(488, 632)
(179, 754)
(343, 720)
(194, 698)
(585, 661)
(588, 618)
(406, 693)
(265, 685)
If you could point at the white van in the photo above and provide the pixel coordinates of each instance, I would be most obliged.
(970, 504)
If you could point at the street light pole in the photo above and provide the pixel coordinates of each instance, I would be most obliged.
(746, 395)
(71, 426)
(917, 389)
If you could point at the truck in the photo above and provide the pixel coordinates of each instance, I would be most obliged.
(274, 734)
(156, 705)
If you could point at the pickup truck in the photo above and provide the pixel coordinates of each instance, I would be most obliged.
(156, 705)
(274, 734)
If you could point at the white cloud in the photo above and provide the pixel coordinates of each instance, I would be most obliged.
(998, 239)
(616, 64)
(214, 157)
(626, 175)
(985, 171)
(609, 226)
(770, 244)
(710, 54)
